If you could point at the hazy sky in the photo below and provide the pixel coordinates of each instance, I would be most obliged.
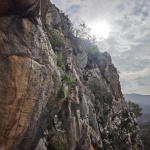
(128, 41)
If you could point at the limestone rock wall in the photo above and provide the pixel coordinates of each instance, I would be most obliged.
(32, 113)
(29, 78)
(86, 120)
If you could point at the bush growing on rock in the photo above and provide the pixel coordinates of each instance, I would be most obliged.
(92, 49)
(58, 145)
(135, 108)
(60, 61)
(56, 39)
(68, 80)
(98, 88)
(61, 93)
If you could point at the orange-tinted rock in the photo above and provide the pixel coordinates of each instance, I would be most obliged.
(91, 147)
(17, 77)
(29, 80)
(111, 75)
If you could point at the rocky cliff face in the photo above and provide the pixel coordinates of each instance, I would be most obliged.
(44, 108)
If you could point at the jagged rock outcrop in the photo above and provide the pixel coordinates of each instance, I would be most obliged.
(39, 109)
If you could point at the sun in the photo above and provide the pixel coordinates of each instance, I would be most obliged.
(101, 30)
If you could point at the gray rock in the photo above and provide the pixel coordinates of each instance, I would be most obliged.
(82, 60)
(31, 82)
(41, 145)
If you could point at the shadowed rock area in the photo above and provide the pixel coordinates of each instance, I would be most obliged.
(43, 105)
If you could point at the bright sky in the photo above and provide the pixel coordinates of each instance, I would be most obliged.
(101, 29)
(124, 26)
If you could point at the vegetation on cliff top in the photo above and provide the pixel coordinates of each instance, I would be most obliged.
(135, 108)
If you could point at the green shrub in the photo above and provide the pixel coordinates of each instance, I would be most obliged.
(125, 125)
(92, 49)
(60, 61)
(145, 135)
(98, 88)
(61, 93)
(125, 114)
(56, 39)
(67, 79)
(112, 135)
(58, 145)
(135, 108)
(117, 145)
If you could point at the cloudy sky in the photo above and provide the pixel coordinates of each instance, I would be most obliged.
(125, 26)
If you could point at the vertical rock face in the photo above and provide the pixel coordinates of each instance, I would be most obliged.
(29, 78)
(36, 112)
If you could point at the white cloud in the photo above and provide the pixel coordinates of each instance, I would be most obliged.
(129, 40)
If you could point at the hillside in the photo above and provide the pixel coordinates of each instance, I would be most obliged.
(144, 102)
(145, 134)
(58, 92)
(144, 120)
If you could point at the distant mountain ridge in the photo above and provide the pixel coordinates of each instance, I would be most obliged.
(144, 102)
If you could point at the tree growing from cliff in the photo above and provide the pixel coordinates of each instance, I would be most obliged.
(135, 108)
(82, 32)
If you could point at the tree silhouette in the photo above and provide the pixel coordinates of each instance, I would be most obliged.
(135, 108)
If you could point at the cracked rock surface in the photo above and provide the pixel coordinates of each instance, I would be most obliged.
(33, 116)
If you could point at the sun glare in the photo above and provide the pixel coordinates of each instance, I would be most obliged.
(101, 30)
